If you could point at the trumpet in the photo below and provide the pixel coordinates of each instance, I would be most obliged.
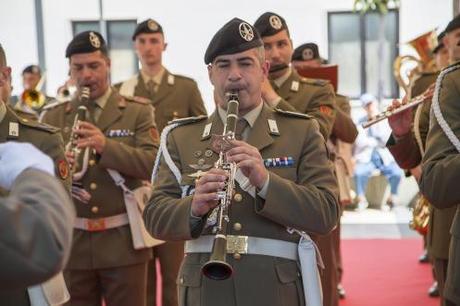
(71, 146)
(217, 267)
(34, 98)
(426, 95)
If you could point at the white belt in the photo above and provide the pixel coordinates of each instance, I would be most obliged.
(246, 245)
(101, 224)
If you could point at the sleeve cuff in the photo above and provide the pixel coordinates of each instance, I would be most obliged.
(263, 192)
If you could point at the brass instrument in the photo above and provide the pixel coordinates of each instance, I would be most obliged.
(71, 145)
(420, 216)
(426, 95)
(407, 67)
(34, 98)
(217, 268)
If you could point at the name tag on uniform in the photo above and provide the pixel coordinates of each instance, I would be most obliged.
(13, 130)
(120, 133)
(273, 127)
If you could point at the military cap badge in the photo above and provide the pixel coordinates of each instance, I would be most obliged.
(94, 40)
(275, 22)
(152, 25)
(246, 31)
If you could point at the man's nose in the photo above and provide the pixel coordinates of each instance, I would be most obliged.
(235, 73)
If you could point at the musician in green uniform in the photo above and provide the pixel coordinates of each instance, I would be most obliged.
(283, 188)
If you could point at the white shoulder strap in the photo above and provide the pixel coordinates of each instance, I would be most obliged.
(127, 87)
(437, 109)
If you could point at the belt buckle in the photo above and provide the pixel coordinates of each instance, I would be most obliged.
(96, 225)
(237, 244)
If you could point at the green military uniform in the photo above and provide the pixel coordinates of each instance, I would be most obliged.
(257, 280)
(440, 170)
(172, 96)
(47, 139)
(176, 97)
(408, 154)
(309, 96)
(36, 236)
(130, 149)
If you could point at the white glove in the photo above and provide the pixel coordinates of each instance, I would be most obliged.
(15, 157)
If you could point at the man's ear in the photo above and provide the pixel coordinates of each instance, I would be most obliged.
(210, 73)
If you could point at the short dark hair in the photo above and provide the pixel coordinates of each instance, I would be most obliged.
(2, 57)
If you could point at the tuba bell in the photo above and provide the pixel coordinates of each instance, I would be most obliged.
(407, 67)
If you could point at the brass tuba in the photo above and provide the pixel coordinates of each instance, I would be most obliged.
(407, 67)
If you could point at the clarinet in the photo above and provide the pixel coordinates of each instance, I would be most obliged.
(71, 146)
(217, 267)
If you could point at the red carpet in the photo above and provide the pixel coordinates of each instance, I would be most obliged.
(385, 273)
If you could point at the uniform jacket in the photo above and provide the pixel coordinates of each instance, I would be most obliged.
(441, 172)
(49, 141)
(130, 149)
(177, 97)
(303, 196)
(309, 96)
(35, 234)
(407, 154)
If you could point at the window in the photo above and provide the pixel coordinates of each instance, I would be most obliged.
(354, 45)
(119, 33)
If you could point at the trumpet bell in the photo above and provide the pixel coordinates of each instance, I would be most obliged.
(33, 99)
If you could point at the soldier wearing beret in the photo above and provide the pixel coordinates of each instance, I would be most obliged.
(440, 166)
(344, 133)
(267, 271)
(48, 140)
(173, 96)
(117, 135)
(286, 89)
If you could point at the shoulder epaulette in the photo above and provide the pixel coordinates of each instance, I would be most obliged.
(452, 67)
(188, 120)
(183, 77)
(53, 105)
(38, 125)
(316, 82)
(137, 99)
(292, 114)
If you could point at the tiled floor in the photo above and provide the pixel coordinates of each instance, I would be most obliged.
(373, 223)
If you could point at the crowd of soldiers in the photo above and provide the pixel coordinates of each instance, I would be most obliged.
(144, 202)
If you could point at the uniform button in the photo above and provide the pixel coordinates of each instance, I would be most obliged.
(175, 114)
(25, 120)
(237, 226)
(92, 162)
(181, 280)
(93, 186)
(238, 197)
(237, 256)
(94, 209)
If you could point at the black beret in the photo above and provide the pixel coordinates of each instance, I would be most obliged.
(440, 44)
(453, 24)
(34, 69)
(147, 26)
(86, 42)
(306, 52)
(234, 37)
(269, 24)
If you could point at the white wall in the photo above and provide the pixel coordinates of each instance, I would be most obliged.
(188, 26)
